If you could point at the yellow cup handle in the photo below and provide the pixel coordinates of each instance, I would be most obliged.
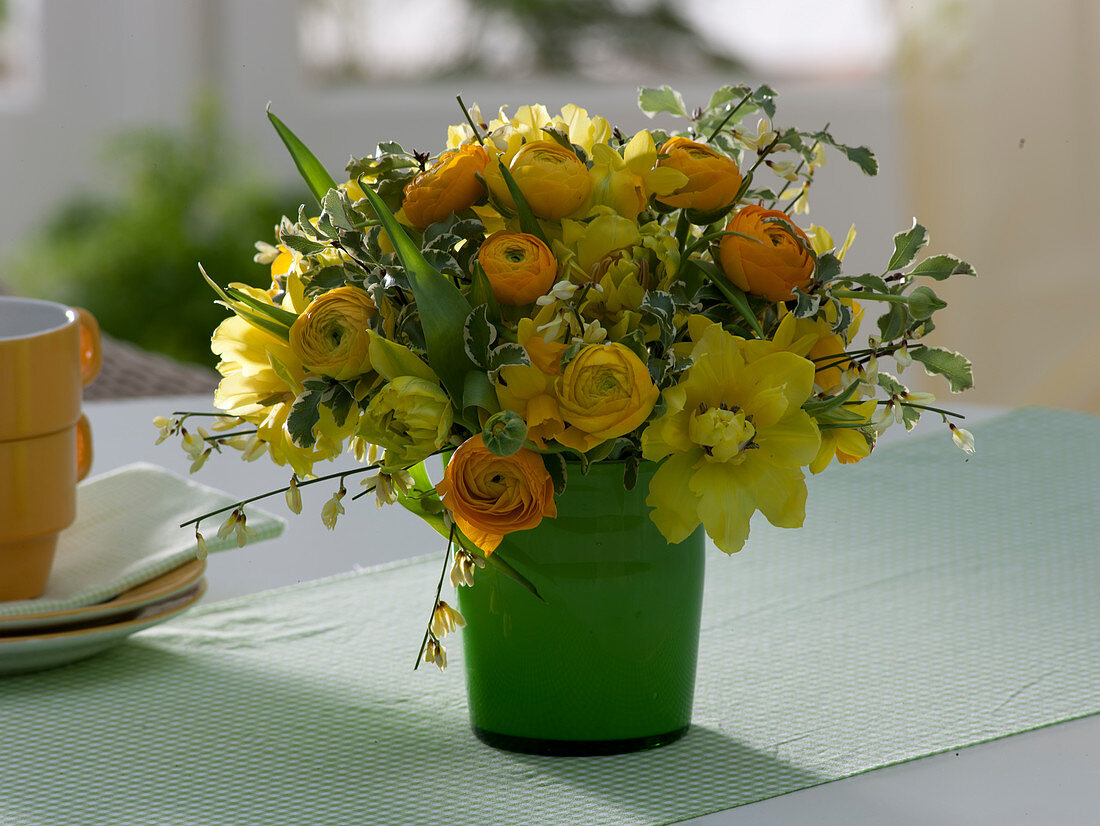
(91, 348)
(83, 447)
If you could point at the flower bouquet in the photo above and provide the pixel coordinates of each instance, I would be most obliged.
(558, 309)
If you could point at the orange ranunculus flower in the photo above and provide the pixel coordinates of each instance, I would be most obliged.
(519, 266)
(605, 392)
(330, 336)
(773, 267)
(490, 496)
(552, 179)
(713, 179)
(449, 185)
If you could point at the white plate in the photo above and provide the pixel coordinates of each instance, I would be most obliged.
(123, 607)
(34, 652)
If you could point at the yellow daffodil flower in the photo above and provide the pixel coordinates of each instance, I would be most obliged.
(734, 439)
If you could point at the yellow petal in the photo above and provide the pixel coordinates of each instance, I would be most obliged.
(790, 443)
(674, 504)
(781, 497)
(727, 499)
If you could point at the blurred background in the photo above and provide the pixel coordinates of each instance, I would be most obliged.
(133, 141)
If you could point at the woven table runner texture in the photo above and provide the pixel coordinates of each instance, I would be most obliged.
(931, 601)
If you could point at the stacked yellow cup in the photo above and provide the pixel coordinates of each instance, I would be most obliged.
(48, 353)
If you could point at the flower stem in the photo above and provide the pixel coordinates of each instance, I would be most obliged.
(244, 502)
(438, 591)
(729, 115)
(473, 126)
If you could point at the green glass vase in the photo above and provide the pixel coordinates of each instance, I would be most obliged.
(606, 663)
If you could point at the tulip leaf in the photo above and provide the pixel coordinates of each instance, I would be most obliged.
(443, 308)
(313, 171)
(481, 292)
(392, 360)
(733, 294)
(527, 218)
(478, 394)
(280, 316)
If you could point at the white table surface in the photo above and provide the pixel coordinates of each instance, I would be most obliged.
(1050, 776)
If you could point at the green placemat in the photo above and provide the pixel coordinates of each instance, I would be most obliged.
(854, 643)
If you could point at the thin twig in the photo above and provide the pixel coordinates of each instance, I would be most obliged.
(438, 591)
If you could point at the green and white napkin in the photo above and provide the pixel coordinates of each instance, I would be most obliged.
(127, 531)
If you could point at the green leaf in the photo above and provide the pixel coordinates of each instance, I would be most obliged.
(732, 294)
(940, 267)
(906, 246)
(807, 305)
(443, 308)
(727, 94)
(280, 316)
(923, 302)
(304, 415)
(874, 283)
(527, 219)
(861, 156)
(333, 206)
(478, 394)
(313, 172)
(303, 245)
(631, 467)
(478, 335)
(508, 355)
(481, 292)
(955, 366)
(556, 467)
(504, 433)
(893, 321)
(392, 360)
(828, 268)
(665, 99)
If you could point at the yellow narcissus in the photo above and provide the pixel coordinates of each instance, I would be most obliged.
(449, 185)
(733, 439)
(774, 264)
(261, 376)
(520, 268)
(625, 182)
(552, 179)
(410, 417)
(712, 179)
(331, 337)
(490, 496)
(604, 392)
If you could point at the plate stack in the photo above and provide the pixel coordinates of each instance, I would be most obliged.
(32, 641)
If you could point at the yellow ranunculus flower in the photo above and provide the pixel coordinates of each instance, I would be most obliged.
(712, 178)
(331, 336)
(490, 496)
(449, 185)
(410, 417)
(771, 266)
(520, 268)
(552, 179)
(735, 437)
(605, 392)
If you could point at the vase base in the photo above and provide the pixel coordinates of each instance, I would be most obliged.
(576, 748)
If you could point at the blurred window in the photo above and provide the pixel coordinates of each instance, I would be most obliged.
(350, 41)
